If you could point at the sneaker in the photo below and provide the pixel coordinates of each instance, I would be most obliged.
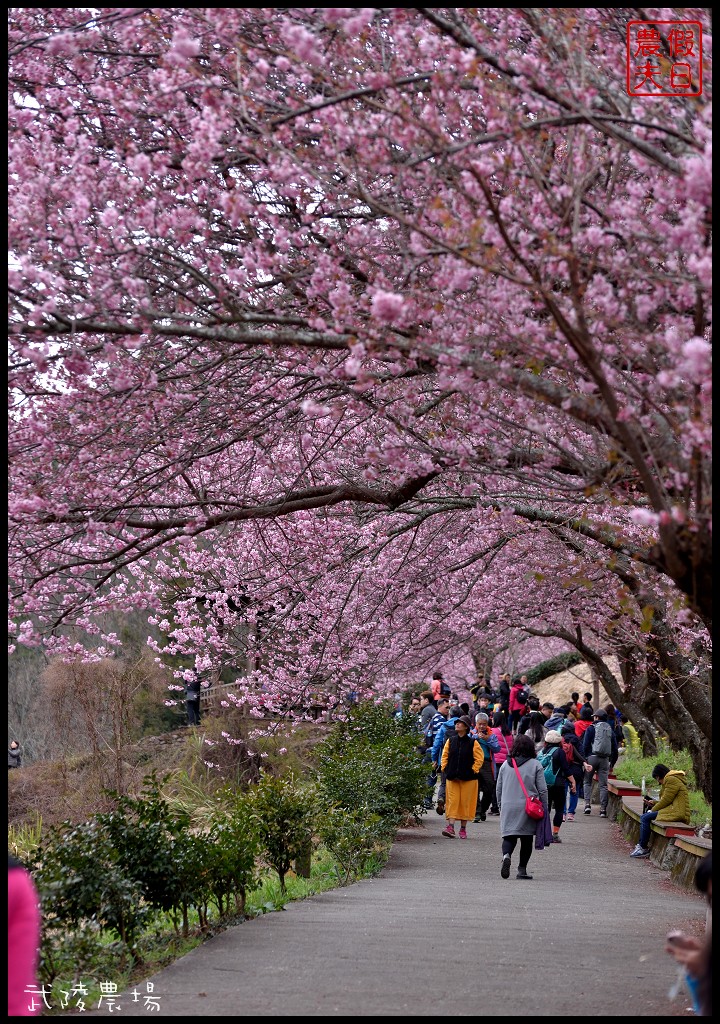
(427, 803)
(640, 851)
(462, 834)
(570, 817)
(587, 811)
(556, 838)
(505, 869)
(603, 814)
(449, 831)
(495, 812)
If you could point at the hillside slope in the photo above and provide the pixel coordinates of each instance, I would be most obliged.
(558, 688)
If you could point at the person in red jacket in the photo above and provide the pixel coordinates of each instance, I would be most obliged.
(584, 722)
(518, 701)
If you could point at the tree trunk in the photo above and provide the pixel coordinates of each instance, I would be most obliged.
(303, 861)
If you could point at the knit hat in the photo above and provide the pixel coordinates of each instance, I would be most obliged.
(568, 729)
(586, 715)
(601, 715)
(466, 720)
(553, 736)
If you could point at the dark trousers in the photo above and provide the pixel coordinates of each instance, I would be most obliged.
(486, 789)
(646, 821)
(556, 802)
(431, 780)
(526, 847)
(193, 711)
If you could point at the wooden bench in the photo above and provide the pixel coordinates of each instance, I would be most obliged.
(695, 845)
(621, 788)
(690, 851)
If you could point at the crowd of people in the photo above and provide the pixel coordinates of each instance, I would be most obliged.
(488, 758)
(530, 763)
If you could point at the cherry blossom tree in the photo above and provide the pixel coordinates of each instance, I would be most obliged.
(293, 290)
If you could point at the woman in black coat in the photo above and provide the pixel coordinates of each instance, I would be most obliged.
(571, 746)
(554, 760)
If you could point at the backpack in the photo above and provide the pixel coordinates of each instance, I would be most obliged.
(521, 698)
(445, 690)
(545, 759)
(432, 731)
(602, 744)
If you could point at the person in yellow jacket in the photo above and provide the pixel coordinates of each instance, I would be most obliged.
(462, 759)
(673, 805)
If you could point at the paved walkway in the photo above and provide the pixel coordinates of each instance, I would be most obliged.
(439, 932)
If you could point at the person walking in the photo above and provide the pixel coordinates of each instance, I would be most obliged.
(532, 720)
(534, 724)
(558, 775)
(631, 738)
(437, 720)
(521, 769)
(444, 731)
(571, 746)
(584, 722)
(500, 729)
(192, 700)
(600, 752)
(516, 703)
(431, 718)
(438, 687)
(503, 691)
(14, 755)
(672, 805)
(490, 745)
(428, 709)
(461, 761)
(557, 719)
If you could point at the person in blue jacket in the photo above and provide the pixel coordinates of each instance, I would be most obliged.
(489, 744)
(445, 731)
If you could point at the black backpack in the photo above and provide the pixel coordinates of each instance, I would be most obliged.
(445, 690)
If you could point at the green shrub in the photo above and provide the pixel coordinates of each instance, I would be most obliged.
(149, 837)
(552, 666)
(371, 763)
(285, 813)
(355, 839)
(80, 879)
(233, 849)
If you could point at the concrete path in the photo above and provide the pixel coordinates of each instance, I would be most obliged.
(439, 932)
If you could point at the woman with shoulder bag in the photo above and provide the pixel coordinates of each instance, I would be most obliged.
(520, 777)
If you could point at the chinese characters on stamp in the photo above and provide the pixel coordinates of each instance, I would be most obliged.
(664, 58)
